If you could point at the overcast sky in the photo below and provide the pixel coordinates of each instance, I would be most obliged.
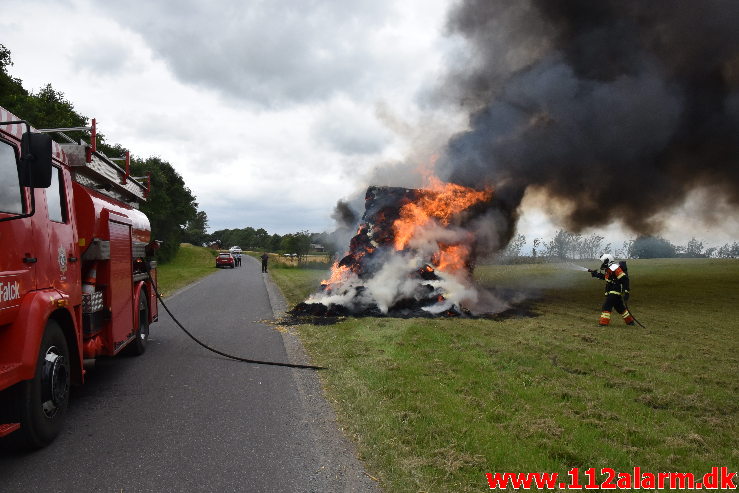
(271, 111)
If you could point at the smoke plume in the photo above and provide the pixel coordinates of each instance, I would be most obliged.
(344, 215)
(615, 110)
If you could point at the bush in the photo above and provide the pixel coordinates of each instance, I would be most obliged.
(652, 247)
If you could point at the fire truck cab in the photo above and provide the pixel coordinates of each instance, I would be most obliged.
(76, 277)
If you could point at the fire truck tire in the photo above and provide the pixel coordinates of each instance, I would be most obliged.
(42, 401)
(138, 345)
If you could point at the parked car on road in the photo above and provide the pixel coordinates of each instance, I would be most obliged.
(225, 259)
(235, 249)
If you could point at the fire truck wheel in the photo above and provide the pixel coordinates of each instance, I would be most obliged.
(138, 345)
(43, 400)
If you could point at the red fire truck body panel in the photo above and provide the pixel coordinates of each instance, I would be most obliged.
(16, 275)
(92, 210)
(121, 299)
(101, 218)
(76, 265)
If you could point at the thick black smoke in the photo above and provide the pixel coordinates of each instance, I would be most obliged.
(617, 109)
(344, 215)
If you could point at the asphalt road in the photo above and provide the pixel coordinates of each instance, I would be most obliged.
(180, 418)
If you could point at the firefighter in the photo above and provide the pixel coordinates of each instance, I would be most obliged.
(617, 289)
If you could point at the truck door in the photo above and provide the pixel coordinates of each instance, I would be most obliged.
(63, 257)
(17, 249)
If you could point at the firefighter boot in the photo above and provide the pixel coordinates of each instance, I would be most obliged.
(628, 318)
(605, 317)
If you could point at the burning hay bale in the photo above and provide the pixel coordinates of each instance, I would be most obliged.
(411, 256)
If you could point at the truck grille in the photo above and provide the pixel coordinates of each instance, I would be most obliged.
(92, 303)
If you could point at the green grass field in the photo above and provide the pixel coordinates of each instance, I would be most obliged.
(434, 404)
(190, 264)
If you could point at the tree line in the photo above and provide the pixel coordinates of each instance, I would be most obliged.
(563, 246)
(171, 206)
(572, 246)
(258, 239)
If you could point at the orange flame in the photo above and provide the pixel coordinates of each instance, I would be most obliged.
(443, 201)
(452, 258)
(339, 273)
(439, 202)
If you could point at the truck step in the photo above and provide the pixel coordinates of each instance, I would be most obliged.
(7, 374)
(8, 428)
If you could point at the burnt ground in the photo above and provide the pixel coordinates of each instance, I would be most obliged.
(520, 305)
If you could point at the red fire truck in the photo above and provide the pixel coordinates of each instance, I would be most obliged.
(76, 275)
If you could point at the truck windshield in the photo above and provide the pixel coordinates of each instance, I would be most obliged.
(10, 190)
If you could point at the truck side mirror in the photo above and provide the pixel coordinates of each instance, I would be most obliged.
(35, 163)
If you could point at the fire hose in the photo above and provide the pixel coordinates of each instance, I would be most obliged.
(632, 313)
(221, 353)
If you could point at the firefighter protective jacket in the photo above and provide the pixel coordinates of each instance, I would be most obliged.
(617, 282)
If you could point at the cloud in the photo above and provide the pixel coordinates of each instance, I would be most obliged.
(266, 53)
(350, 129)
(276, 216)
(109, 56)
(269, 110)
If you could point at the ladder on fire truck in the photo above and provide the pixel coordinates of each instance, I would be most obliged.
(93, 169)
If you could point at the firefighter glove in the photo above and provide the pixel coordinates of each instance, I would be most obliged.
(626, 296)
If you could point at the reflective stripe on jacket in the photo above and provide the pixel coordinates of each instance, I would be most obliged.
(616, 280)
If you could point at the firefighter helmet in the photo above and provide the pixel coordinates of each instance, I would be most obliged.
(606, 259)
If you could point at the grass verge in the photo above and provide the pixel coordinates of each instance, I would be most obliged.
(190, 264)
(434, 404)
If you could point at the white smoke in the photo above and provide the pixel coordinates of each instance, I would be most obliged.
(397, 278)
(391, 283)
(456, 293)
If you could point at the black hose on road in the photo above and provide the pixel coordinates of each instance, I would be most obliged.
(226, 355)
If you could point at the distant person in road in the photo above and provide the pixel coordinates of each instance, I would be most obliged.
(264, 258)
(238, 259)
